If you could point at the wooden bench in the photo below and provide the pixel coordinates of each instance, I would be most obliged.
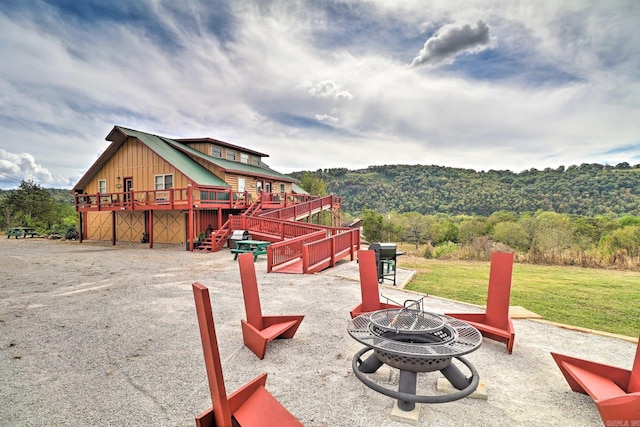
(255, 247)
(255, 253)
(251, 405)
(369, 285)
(596, 386)
(21, 232)
(495, 322)
(615, 391)
(259, 330)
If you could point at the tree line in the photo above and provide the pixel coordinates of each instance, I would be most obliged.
(30, 205)
(542, 238)
(587, 215)
(587, 189)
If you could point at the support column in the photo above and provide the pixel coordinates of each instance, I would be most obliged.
(408, 380)
(370, 365)
(455, 376)
(190, 225)
(150, 232)
(113, 228)
(80, 227)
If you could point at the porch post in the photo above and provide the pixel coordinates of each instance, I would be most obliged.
(80, 228)
(85, 226)
(113, 228)
(150, 231)
(190, 226)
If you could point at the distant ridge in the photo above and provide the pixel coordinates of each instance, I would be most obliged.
(588, 189)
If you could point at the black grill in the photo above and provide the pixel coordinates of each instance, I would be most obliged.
(386, 255)
(237, 235)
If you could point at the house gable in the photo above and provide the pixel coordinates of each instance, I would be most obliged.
(134, 161)
(142, 156)
(153, 154)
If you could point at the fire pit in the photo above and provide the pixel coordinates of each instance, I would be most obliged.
(412, 340)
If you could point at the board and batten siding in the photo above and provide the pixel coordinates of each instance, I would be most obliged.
(135, 160)
(168, 226)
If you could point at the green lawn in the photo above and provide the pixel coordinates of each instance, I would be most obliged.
(606, 300)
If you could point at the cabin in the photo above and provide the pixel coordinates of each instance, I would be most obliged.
(149, 188)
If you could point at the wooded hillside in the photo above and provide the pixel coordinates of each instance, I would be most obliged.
(588, 189)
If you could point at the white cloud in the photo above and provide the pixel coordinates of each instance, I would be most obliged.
(323, 117)
(18, 167)
(68, 82)
(328, 89)
(452, 40)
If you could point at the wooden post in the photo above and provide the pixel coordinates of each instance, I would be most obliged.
(150, 232)
(190, 226)
(113, 228)
(80, 226)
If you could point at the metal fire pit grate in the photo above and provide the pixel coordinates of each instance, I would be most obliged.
(413, 340)
(453, 338)
(406, 321)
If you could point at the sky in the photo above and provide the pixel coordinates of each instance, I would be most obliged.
(503, 85)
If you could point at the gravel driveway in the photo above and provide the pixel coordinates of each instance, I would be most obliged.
(94, 334)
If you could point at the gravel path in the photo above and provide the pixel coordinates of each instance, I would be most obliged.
(94, 334)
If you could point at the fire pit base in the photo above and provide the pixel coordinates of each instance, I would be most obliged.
(413, 340)
(406, 393)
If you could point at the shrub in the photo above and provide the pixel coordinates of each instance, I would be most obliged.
(446, 250)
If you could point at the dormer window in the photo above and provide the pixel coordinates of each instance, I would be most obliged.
(216, 151)
(231, 154)
(255, 160)
(244, 158)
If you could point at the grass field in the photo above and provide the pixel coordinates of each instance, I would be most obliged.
(605, 300)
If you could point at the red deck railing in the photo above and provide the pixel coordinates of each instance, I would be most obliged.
(171, 199)
(317, 246)
(325, 253)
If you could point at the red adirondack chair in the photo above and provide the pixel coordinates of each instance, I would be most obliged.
(259, 330)
(615, 391)
(369, 285)
(495, 322)
(251, 405)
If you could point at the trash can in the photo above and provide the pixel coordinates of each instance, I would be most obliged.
(237, 235)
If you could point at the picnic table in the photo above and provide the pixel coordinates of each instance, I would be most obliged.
(256, 247)
(21, 231)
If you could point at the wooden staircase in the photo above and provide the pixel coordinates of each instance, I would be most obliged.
(254, 209)
(216, 241)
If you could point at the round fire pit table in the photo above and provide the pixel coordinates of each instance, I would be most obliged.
(413, 340)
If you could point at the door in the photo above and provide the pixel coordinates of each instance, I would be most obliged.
(128, 186)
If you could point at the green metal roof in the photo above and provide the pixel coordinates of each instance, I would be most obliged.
(163, 147)
(298, 190)
(181, 156)
(230, 165)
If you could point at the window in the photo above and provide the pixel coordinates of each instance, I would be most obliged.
(164, 182)
(282, 188)
(102, 186)
(244, 158)
(242, 183)
(216, 151)
(231, 155)
(259, 186)
(255, 161)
